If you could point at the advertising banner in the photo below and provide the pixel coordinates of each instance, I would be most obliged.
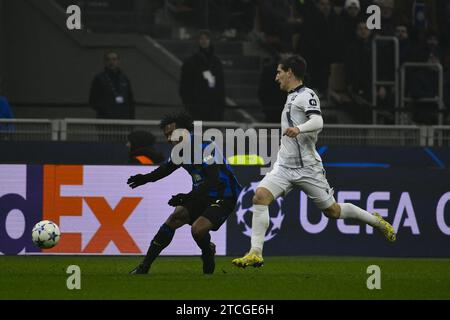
(99, 214)
(94, 207)
(416, 202)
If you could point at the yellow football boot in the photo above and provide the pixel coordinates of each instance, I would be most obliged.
(249, 260)
(385, 228)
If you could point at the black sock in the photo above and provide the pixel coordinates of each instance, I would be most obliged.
(161, 240)
(203, 243)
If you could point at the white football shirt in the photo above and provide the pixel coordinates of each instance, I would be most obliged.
(301, 150)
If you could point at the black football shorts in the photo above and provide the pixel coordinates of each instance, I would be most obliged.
(215, 210)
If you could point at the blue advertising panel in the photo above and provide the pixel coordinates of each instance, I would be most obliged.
(416, 202)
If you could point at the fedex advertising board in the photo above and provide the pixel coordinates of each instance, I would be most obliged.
(94, 207)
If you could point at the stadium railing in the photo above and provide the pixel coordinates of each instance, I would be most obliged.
(370, 135)
(438, 98)
(113, 131)
(439, 136)
(377, 82)
(374, 135)
(117, 130)
(29, 129)
(97, 130)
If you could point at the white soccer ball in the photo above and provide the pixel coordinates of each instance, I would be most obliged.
(46, 234)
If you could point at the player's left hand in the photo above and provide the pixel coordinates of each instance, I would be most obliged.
(137, 180)
(178, 200)
(292, 132)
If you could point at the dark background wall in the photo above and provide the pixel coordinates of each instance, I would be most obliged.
(48, 63)
(58, 152)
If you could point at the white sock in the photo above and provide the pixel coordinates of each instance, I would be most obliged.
(349, 210)
(260, 223)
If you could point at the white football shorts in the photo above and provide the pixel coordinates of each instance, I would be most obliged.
(311, 180)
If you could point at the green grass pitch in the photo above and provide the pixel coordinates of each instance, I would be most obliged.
(180, 278)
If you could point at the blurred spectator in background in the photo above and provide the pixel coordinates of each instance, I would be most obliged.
(365, 4)
(447, 97)
(347, 21)
(278, 23)
(406, 48)
(219, 18)
(304, 8)
(386, 70)
(111, 95)
(141, 148)
(429, 48)
(202, 84)
(358, 71)
(386, 67)
(444, 27)
(424, 83)
(270, 96)
(319, 44)
(5, 111)
(388, 17)
(421, 15)
(386, 52)
(190, 12)
(242, 15)
(215, 15)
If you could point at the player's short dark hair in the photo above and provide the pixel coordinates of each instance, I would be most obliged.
(296, 63)
(182, 120)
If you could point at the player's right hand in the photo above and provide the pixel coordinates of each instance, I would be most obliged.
(136, 181)
(292, 132)
(178, 199)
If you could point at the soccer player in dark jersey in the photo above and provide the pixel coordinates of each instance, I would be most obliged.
(215, 190)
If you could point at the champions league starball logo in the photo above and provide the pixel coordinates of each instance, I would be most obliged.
(244, 213)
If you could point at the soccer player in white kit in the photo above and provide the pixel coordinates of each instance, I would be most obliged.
(299, 165)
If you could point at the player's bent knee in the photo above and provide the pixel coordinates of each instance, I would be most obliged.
(262, 197)
(178, 219)
(198, 232)
(333, 212)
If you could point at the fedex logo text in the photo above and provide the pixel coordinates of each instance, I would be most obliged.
(42, 200)
(111, 219)
(19, 202)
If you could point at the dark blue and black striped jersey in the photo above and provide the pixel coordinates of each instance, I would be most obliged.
(211, 175)
(227, 185)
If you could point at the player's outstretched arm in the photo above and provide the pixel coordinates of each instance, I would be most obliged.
(163, 171)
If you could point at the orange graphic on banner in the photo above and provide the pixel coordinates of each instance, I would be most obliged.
(56, 206)
(111, 225)
(111, 220)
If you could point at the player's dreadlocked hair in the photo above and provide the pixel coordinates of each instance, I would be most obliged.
(182, 120)
(296, 63)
